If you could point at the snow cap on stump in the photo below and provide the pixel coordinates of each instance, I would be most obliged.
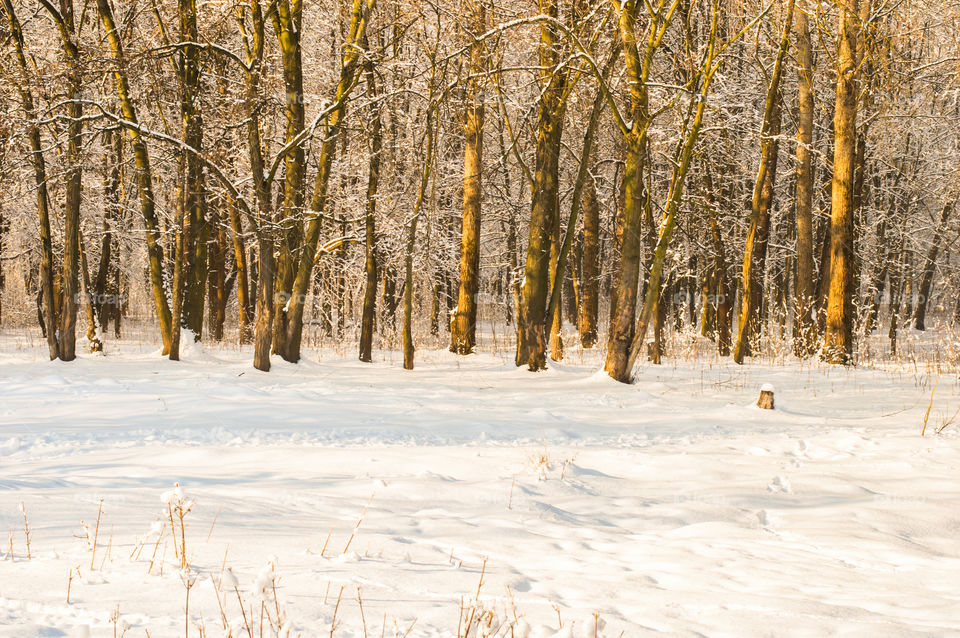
(765, 402)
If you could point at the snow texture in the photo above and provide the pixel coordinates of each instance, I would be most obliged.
(666, 507)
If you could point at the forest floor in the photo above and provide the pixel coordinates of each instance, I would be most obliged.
(470, 488)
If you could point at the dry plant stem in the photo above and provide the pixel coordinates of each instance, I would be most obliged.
(359, 521)
(333, 622)
(109, 549)
(324, 548)
(154, 556)
(26, 531)
(947, 422)
(476, 598)
(215, 517)
(243, 611)
(276, 601)
(926, 416)
(363, 618)
(69, 583)
(96, 533)
(183, 540)
(223, 614)
(173, 530)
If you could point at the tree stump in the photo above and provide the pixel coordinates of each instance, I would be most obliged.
(765, 402)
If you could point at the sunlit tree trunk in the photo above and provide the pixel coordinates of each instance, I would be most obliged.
(754, 254)
(463, 325)
(531, 316)
(624, 302)
(838, 339)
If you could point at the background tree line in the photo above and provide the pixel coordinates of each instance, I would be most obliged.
(574, 171)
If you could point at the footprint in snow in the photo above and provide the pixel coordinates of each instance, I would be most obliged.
(780, 484)
(767, 520)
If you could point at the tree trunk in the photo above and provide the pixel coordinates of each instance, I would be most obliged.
(244, 294)
(463, 327)
(48, 309)
(408, 346)
(290, 318)
(723, 297)
(144, 175)
(755, 252)
(838, 339)
(287, 22)
(929, 267)
(804, 327)
(371, 275)
(532, 313)
(590, 267)
(619, 363)
(94, 331)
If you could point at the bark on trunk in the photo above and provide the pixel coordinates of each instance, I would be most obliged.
(47, 310)
(755, 252)
(929, 267)
(804, 327)
(532, 313)
(290, 318)
(371, 274)
(144, 174)
(463, 326)
(838, 339)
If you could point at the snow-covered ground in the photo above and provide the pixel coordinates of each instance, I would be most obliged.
(469, 488)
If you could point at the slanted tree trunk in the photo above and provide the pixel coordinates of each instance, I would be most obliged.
(144, 174)
(290, 317)
(47, 307)
(620, 364)
(755, 252)
(929, 267)
(263, 292)
(624, 295)
(838, 339)
(580, 182)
